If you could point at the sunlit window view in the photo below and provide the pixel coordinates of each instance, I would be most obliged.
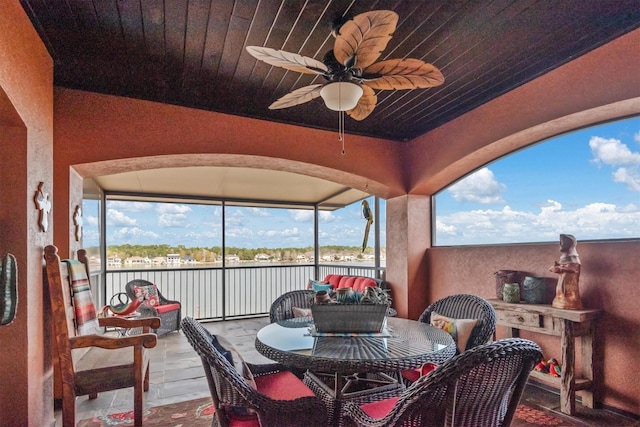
(585, 183)
(146, 233)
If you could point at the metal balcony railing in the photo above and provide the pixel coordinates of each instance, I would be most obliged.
(217, 293)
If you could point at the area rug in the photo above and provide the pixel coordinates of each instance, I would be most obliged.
(196, 413)
(192, 413)
(535, 416)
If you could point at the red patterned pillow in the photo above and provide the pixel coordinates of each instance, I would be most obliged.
(149, 294)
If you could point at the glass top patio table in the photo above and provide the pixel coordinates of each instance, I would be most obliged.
(404, 344)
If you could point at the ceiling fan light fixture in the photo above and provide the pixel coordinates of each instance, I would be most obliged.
(341, 96)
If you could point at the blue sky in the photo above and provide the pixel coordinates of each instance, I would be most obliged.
(585, 183)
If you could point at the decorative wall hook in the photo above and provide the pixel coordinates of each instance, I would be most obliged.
(44, 207)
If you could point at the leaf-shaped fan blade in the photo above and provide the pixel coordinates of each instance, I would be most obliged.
(402, 74)
(364, 37)
(297, 97)
(287, 60)
(366, 104)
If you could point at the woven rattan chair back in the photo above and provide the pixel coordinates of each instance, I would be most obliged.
(465, 306)
(169, 320)
(480, 387)
(229, 389)
(282, 307)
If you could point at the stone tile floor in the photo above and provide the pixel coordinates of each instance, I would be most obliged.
(176, 375)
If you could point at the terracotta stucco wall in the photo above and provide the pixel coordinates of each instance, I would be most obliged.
(126, 134)
(608, 280)
(26, 132)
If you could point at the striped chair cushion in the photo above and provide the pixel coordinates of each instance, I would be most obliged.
(85, 310)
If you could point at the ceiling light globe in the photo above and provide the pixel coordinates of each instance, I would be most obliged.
(341, 96)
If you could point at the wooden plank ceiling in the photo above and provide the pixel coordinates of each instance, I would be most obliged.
(192, 52)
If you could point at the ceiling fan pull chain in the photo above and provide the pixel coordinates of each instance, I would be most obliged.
(341, 129)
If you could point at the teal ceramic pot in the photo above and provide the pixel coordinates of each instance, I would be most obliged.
(533, 290)
(511, 292)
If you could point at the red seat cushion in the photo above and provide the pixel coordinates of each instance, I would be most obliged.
(346, 282)
(167, 307)
(237, 420)
(413, 374)
(379, 409)
(363, 282)
(333, 279)
(282, 385)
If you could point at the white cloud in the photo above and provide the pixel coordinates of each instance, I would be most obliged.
(299, 215)
(234, 217)
(479, 187)
(630, 177)
(588, 222)
(307, 216)
(129, 206)
(291, 232)
(612, 152)
(91, 221)
(125, 234)
(173, 215)
(326, 216)
(239, 232)
(115, 218)
(259, 212)
(172, 208)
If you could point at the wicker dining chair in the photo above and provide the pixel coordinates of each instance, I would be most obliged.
(460, 306)
(274, 397)
(465, 306)
(480, 387)
(282, 307)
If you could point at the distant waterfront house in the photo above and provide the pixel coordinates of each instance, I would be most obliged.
(261, 258)
(173, 259)
(188, 259)
(302, 258)
(114, 261)
(232, 258)
(135, 260)
(158, 260)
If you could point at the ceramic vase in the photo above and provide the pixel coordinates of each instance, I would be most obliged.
(322, 297)
(511, 292)
(533, 290)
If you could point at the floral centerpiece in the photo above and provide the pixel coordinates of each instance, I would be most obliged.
(348, 311)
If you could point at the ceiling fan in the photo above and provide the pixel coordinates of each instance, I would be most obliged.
(350, 69)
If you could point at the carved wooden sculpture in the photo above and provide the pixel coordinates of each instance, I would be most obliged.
(568, 267)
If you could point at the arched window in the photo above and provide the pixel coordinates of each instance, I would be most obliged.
(585, 183)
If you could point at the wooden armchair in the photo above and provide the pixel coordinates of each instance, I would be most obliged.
(89, 362)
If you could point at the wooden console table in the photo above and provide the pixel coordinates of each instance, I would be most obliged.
(568, 324)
